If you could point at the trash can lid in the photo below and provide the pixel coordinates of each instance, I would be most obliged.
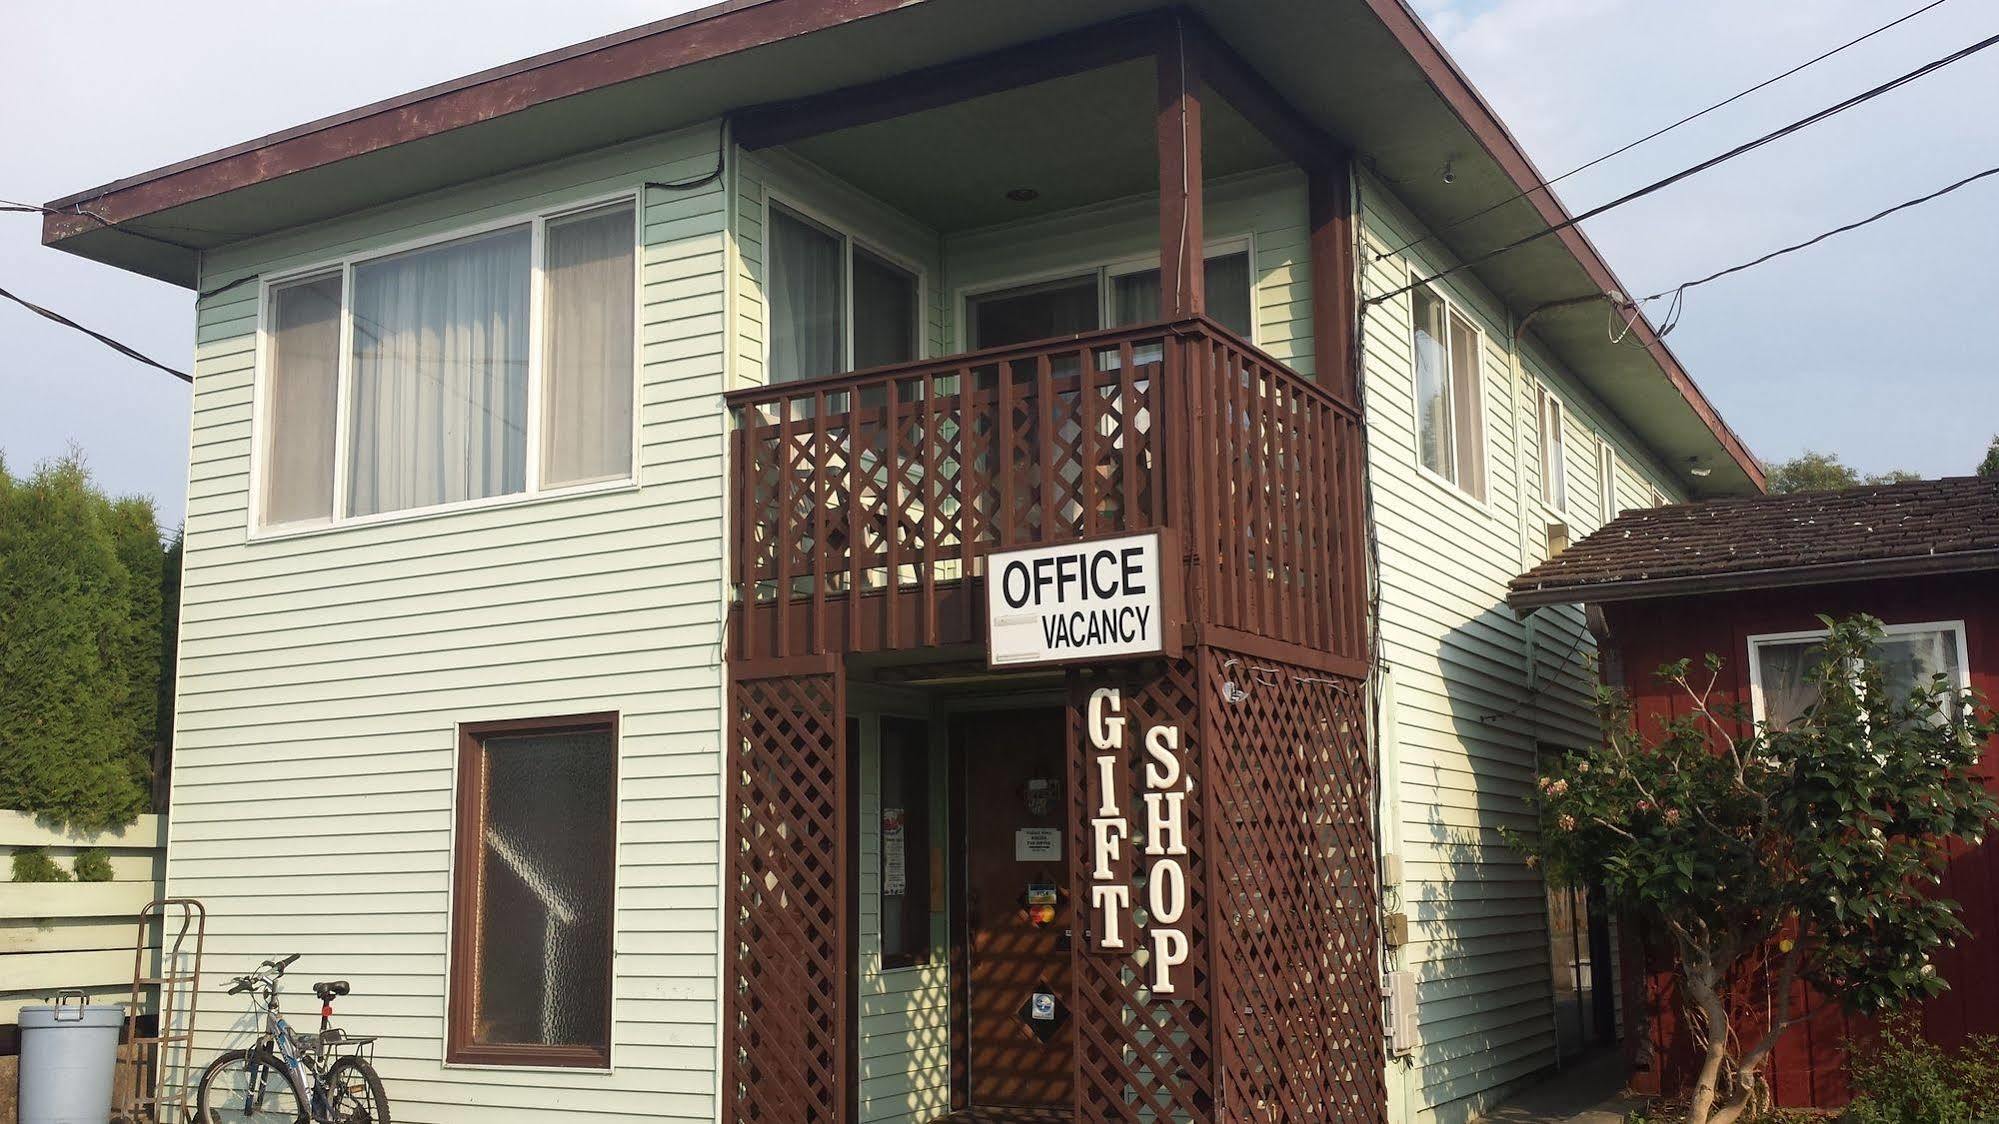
(42, 1016)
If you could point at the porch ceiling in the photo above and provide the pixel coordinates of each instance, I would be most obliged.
(1076, 140)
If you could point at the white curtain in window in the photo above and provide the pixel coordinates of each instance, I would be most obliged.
(805, 299)
(303, 394)
(586, 413)
(1784, 673)
(439, 396)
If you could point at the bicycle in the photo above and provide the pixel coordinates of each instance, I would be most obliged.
(286, 1077)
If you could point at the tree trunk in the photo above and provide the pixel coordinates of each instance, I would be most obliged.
(1702, 980)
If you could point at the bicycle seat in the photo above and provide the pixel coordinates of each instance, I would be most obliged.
(328, 990)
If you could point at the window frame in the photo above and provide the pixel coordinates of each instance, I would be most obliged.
(462, 921)
(1452, 312)
(1104, 270)
(1554, 499)
(848, 239)
(1758, 640)
(537, 220)
(1606, 479)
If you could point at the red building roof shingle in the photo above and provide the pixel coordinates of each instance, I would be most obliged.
(1926, 526)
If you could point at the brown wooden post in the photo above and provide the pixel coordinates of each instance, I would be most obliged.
(1330, 207)
(1178, 124)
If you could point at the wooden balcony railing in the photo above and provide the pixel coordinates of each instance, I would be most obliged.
(861, 503)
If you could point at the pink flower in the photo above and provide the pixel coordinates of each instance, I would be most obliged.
(1558, 788)
(1545, 782)
(1533, 861)
(1567, 822)
(1644, 805)
(1672, 815)
(1582, 766)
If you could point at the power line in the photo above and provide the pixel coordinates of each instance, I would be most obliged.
(100, 337)
(1679, 291)
(1691, 117)
(1687, 173)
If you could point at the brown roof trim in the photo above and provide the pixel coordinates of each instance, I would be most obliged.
(691, 37)
(1457, 91)
(1968, 561)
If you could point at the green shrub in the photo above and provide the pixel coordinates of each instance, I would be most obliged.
(1909, 1080)
(33, 864)
(93, 865)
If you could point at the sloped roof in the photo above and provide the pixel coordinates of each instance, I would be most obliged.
(1883, 530)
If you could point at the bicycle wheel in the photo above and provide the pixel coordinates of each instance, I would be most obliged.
(245, 1087)
(354, 1093)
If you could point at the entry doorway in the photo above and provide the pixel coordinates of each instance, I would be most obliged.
(1017, 1032)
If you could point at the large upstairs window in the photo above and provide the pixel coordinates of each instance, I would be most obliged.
(1450, 415)
(835, 305)
(491, 365)
(1113, 295)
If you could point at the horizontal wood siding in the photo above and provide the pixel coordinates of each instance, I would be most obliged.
(322, 676)
(1474, 688)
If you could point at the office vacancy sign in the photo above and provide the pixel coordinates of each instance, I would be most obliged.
(1077, 601)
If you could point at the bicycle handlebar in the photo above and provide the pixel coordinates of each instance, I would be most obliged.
(267, 975)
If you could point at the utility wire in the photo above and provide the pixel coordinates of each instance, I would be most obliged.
(1655, 135)
(1687, 173)
(1679, 291)
(100, 337)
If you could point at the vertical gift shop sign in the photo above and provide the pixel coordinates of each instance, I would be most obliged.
(1161, 845)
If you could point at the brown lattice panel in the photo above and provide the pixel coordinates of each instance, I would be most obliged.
(1295, 939)
(785, 1052)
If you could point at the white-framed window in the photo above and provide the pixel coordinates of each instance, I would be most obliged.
(1781, 665)
(1450, 408)
(1548, 425)
(1108, 294)
(835, 303)
(1606, 479)
(1657, 497)
(483, 365)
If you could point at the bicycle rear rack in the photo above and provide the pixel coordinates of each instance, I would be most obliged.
(162, 1063)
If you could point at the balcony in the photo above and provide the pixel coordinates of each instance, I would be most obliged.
(862, 505)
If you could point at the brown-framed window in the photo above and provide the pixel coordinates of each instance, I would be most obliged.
(905, 842)
(533, 873)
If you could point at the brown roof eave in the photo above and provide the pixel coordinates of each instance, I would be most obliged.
(1597, 593)
(691, 37)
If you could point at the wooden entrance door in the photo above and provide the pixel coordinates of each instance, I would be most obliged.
(1020, 1042)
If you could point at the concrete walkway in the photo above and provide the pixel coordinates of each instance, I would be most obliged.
(1590, 1091)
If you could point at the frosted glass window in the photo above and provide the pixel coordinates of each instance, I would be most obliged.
(533, 920)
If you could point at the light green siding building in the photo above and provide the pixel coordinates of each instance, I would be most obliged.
(419, 526)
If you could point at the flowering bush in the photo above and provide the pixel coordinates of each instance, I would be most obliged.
(1820, 839)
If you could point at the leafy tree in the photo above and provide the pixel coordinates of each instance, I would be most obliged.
(1990, 465)
(1812, 471)
(81, 597)
(1806, 850)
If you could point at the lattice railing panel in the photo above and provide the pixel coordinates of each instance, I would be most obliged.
(1296, 949)
(1138, 1056)
(785, 1037)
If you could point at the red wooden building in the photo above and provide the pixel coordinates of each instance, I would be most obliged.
(1747, 579)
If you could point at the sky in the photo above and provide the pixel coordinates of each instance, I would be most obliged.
(1876, 346)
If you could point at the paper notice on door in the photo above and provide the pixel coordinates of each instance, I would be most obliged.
(1037, 845)
(895, 860)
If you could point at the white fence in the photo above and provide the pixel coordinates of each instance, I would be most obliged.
(62, 936)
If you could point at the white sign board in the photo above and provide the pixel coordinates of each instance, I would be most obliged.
(1076, 601)
(1037, 845)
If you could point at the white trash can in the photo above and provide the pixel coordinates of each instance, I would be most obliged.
(69, 1057)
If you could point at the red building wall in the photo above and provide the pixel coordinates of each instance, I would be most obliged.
(1809, 1066)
